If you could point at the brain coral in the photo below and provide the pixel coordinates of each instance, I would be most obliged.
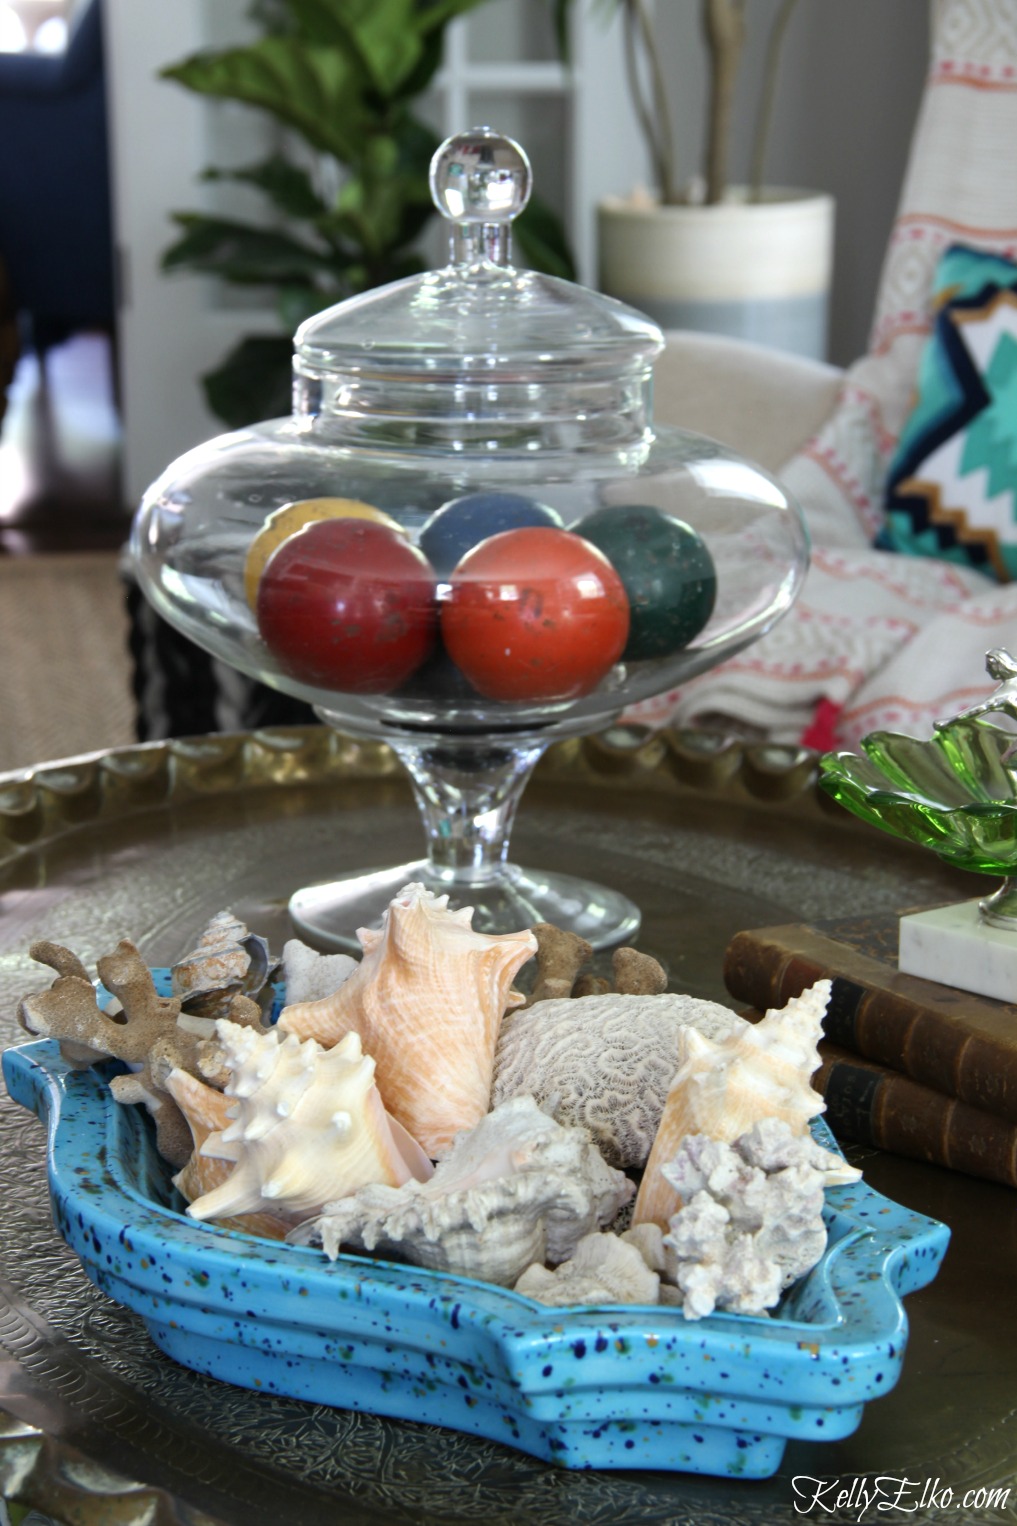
(603, 1062)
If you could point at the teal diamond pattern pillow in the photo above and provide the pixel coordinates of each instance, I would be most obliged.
(952, 486)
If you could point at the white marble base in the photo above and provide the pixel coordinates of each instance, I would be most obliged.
(953, 945)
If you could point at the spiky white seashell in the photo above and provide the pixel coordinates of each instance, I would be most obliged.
(427, 1000)
(205, 1110)
(308, 1125)
(721, 1089)
(516, 1189)
(751, 1219)
(602, 1269)
(604, 1063)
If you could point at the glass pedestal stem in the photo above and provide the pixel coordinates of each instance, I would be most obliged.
(1000, 908)
(467, 793)
(467, 799)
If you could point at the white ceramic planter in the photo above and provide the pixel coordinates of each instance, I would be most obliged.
(758, 270)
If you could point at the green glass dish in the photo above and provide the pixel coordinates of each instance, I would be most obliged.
(955, 793)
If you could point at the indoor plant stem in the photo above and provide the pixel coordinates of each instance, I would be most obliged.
(724, 24)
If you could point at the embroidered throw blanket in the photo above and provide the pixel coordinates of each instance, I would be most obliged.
(879, 638)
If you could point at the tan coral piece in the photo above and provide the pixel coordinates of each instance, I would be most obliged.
(191, 1045)
(60, 959)
(560, 957)
(637, 974)
(591, 985)
(127, 977)
(69, 1010)
(172, 1136)
(721, 1089)
(140, 1027)
(427, 1001)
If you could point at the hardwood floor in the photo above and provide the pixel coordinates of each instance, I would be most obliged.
(60, 453)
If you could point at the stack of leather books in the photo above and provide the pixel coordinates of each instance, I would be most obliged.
(908, 1065)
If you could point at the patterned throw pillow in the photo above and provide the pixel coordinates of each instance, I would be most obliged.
(952, 486)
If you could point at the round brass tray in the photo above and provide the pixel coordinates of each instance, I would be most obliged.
(708, 836)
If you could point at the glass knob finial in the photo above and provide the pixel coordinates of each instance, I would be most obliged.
(480, 181)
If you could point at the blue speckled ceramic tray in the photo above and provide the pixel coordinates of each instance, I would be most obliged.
(615, 1387)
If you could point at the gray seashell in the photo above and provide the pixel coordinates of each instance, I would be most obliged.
(515, 1189)
(603, 1063)
(263, 967)
(227, 959)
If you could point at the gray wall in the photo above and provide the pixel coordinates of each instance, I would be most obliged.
(850, 82)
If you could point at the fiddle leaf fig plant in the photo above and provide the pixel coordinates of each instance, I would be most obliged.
(346, 190)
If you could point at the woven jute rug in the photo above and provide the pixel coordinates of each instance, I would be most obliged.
(64, 666)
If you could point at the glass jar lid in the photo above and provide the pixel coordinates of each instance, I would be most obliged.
(479, 342)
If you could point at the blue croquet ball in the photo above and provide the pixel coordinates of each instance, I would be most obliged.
(464, 522)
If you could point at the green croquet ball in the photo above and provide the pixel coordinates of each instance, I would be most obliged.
(666, 570)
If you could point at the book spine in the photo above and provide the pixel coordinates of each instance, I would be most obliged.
(879, 1107)
(925, 1037)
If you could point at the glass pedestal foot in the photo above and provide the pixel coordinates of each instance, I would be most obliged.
(327, 916)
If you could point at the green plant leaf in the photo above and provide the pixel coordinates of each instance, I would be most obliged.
(253, 383)
(317, 90)
(432, 54)
(316, 21)
(416, 144)
(243, 253)
(384, 34)
(286, 184)
(368, 220)
(541, 239)
(386, 205)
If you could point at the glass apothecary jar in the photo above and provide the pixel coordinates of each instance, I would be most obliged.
(469, 539)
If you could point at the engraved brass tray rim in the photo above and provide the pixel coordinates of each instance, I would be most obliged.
(38, 803)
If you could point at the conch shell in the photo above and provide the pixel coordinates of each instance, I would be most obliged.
(427, 1000)
(308, 1125)
(516, 1189)
(721, 1089)
(205, 1109)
